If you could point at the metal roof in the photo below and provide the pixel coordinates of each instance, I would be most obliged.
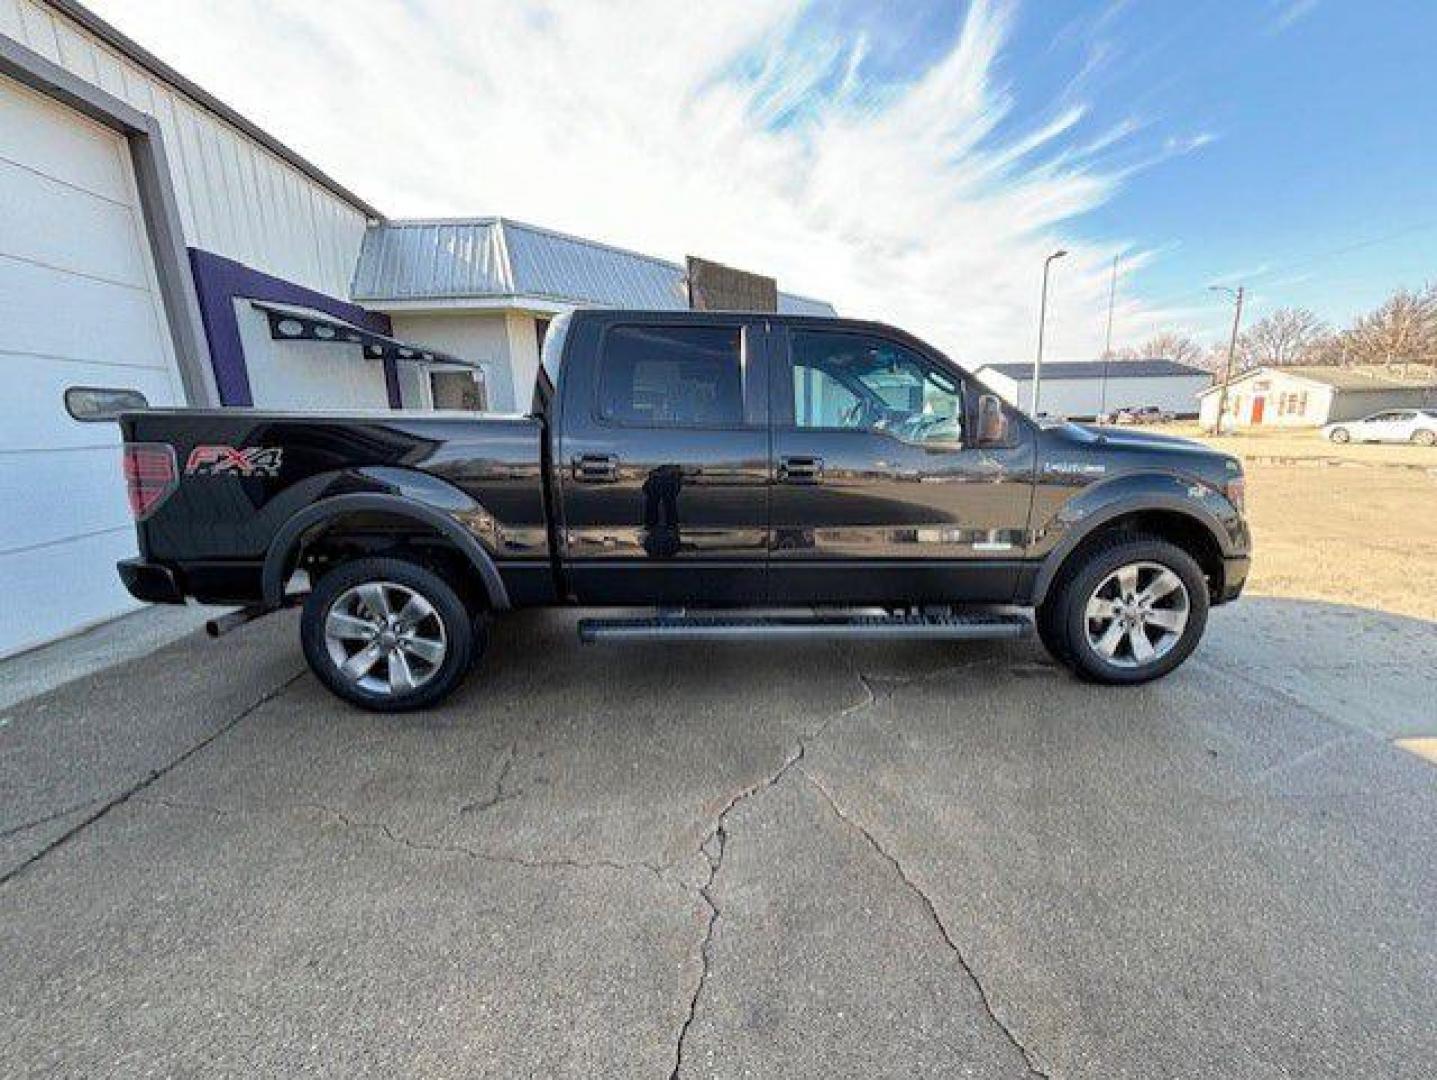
(1354, 378)
(1066, 370)
(496, 258)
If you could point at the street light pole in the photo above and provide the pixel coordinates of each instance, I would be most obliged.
(1108, 343)
(1237, 295)
(1042, 320)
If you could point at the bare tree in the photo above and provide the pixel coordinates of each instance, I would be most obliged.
(1287, 336)
(1403, 328)
(1168, 345)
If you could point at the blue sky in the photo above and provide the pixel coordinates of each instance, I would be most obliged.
(912, 161)
(1316, 180)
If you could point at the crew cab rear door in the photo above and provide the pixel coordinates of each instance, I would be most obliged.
(663, 460)
(880, 494)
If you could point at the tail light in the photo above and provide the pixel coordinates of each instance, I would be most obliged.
(150, 476)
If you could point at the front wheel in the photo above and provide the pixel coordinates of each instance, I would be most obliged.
(1425, 437)
(387, 634)
(1132, 611)
(1340, 435)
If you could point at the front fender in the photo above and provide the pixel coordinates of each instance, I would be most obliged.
(1104, 502)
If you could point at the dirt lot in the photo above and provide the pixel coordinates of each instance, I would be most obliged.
(1352, 524)
(1309, 445)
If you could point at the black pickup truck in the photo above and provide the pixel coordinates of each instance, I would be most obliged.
(740, 475)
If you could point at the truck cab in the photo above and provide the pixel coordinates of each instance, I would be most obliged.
(738, 460)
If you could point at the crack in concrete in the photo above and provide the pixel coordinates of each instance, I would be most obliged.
(715, 843)
(150, 777)
(390, 834)
(1028, 1060)
(15, 830)
(498, 795)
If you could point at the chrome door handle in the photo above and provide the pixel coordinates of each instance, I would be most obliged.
(596, 468)
(800, 470)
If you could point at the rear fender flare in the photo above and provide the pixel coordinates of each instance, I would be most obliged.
(286, 540)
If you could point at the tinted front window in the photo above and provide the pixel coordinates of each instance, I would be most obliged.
(672, 376)
(869, 384)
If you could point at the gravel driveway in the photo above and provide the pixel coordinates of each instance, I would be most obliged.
(753, 860)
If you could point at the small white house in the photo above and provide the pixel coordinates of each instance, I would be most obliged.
(1313, 395)
(1085, 389)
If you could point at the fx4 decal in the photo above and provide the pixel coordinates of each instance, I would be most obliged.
(234, 461)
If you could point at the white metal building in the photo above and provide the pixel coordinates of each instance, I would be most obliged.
(1313, 395)
(113, 171)
(1084, 389)
(154, 240)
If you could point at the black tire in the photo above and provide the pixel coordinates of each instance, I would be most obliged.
(1425, 437)
(1068, 602)
(1340, 435)
(479, 631)
(1047, 619)
(446, 620)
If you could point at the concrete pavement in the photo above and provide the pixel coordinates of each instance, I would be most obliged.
(739, 861)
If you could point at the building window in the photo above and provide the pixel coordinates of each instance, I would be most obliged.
(456, 390)
(1302, 403)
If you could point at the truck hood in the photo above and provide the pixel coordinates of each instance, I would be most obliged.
(1143, 440)
(1139, 448)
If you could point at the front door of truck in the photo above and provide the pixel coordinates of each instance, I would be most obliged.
(880, 494)
(664, 461)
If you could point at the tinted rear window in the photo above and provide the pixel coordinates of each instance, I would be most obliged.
(672, 376)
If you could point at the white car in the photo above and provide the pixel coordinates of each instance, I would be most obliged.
(1392, 425)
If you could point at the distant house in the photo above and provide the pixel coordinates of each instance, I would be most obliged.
(1084, 389)
(1310, 396)
(486, 288)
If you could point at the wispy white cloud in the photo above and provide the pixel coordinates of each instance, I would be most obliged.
(1289, 12)
(1186, 144)
(717, 129)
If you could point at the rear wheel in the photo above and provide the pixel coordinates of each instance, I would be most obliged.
(1340, 435)
(1132, 611)
(1425, 437)
(387, 634)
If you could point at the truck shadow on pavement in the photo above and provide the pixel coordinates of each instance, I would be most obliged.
(798, 859)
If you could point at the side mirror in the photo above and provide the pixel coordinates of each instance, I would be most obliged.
(93, 404)
(992, 422)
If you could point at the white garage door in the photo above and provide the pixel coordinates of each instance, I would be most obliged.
(79, 306)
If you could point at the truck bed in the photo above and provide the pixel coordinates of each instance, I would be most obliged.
(244, 473)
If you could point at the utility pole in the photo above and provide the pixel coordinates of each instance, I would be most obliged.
(1042, 320)
(1237, 294)
(1108, 342)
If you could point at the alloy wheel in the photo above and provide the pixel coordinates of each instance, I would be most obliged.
(1137, 614)
(385, 638)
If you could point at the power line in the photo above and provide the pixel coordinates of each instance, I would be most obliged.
(1310, 259)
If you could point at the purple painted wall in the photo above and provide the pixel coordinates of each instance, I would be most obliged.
(219, 281)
